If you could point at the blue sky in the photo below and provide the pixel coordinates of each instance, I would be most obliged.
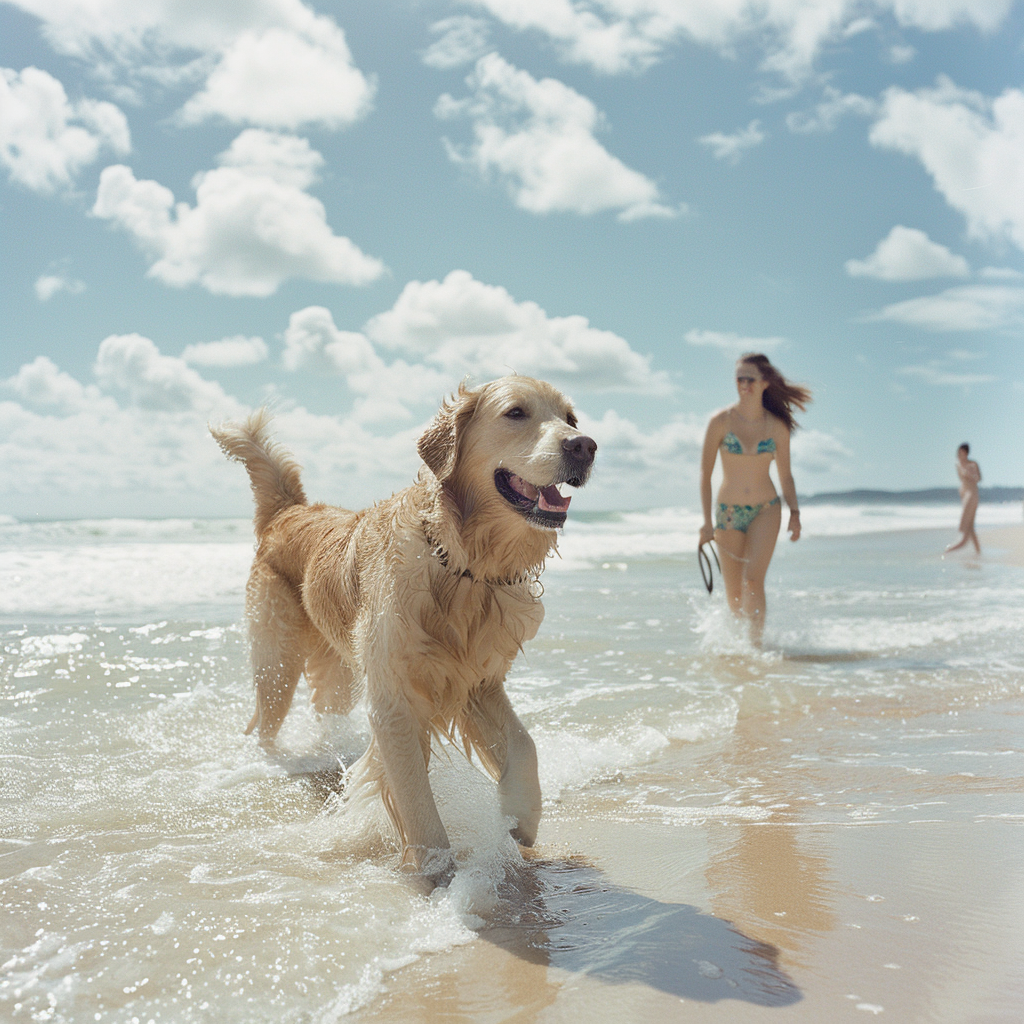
(343, 209)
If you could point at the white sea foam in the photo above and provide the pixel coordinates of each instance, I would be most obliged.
(672, 532)
(113, 568)
(113, 579)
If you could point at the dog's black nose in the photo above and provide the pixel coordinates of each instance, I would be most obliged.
(580, 448)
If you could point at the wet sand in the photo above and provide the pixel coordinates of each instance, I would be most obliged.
(904, 900)
(1007, 540)
(873, 866)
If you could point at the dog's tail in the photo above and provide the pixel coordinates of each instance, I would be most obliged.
(273, 473)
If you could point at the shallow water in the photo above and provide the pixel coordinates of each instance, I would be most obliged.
(701, 798)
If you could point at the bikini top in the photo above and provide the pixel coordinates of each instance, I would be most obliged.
(732, 444)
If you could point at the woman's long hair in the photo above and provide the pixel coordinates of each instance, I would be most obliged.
(781, 395)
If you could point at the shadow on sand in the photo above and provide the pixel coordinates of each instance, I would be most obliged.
(565, 914)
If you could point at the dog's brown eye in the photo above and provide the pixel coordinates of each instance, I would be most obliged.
(516, 413)
(570, 419)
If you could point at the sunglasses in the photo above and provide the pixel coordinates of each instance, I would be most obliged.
(747, 380)
(705, 565)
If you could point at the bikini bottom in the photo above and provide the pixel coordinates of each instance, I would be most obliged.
(739, 517)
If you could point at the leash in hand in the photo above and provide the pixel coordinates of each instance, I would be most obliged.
(705, 565)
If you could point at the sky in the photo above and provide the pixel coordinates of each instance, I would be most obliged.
(342, 210)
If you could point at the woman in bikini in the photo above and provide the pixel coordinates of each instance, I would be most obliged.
(748, 515)
(970, 476)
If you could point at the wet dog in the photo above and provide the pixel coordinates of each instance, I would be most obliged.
(422, 600)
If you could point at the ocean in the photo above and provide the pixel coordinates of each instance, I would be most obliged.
(726, 830)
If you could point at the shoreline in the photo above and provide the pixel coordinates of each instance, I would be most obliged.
(1008, 539)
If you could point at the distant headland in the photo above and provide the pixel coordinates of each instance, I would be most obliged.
(929, 496)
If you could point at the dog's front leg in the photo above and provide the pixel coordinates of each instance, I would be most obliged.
(513, 760)
(404, 745)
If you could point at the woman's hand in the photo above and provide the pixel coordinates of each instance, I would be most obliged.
(794, 525)
(707, 533)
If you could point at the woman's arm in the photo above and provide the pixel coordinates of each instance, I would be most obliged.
(786, 482)
(712, 439)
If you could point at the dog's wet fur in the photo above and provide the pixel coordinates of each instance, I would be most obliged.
(422, 600)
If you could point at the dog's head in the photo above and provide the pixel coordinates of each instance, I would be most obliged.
(508, 446)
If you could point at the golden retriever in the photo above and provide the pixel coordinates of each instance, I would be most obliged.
(424, 599)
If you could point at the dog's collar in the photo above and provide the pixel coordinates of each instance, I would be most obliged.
(441, 554)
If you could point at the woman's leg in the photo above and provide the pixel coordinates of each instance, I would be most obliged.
(970, 510)
(732, 545)
(762, 534)
(967, 525)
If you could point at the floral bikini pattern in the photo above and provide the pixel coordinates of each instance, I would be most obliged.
(739, 517)
(732, 444)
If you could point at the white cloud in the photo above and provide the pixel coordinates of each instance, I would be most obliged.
(732, 147)
(615, 36)
(129, 31)
(624, 445)
(937, 373)
(827, 114)
(280, 78)
(104, 460)
(901, 54)
(138, 443)
(140, 446)
(966, 308)
(538, 138)
(235, 351)
(286, 159)
(935, 15)
(732, 344)
(133, 364)
(42, 385)
(1001, 274)
(661, 463)
(972, 146)
(461, 40)
(642, 466)
(312, 340)
(457, 328)
(274, 63)
(45, 139)
(908, 254)
(74, 446)
(462, 326)
(48, 285)
(817, 452)
(252, 227)
(386, 392)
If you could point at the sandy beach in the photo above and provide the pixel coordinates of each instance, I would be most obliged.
(1008, 540)
(901, 899)
(911, 911)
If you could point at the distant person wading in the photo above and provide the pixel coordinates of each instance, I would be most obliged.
(969, 473)
(745, 521)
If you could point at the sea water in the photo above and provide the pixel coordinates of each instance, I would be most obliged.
(158, 865)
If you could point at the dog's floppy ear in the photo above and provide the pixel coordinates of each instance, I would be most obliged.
(439, 445)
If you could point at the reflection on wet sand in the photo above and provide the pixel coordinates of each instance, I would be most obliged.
(778, 891)
(567, 915)
(761, 876)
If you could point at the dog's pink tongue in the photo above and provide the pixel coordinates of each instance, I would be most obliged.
(551, 501)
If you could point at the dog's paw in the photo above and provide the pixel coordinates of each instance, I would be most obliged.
(439, 868)
(430, 868)
(522, 837)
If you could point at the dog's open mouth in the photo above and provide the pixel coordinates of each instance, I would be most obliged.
(543, 506)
